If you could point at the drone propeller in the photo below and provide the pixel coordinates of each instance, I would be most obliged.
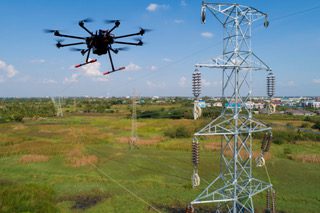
(123, 48)
(115, 22)
(82, 51)
(116, 51)
(49, 31)
(87, 20)
(111, 21)
(58, 44)
(140, 42)
(76, 49)
(143, 31)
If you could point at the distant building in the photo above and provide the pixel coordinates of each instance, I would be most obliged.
(252, 105)
(217, 104)
(202, 104)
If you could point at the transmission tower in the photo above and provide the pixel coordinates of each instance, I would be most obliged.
(134, 135)
(57, 105)
(235, 186)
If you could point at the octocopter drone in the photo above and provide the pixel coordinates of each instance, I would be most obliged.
(99, 43)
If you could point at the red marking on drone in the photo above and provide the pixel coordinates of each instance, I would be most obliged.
(108, 72)
(89, 62)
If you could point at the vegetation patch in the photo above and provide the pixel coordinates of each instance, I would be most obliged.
(306, 158)
(76, 158)
(33, 159)
(178, 132)
(85, 200)
(27, 198)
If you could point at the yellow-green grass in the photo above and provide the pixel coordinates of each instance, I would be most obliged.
(159, 171)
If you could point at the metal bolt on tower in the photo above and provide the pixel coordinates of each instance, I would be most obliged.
(235, 186)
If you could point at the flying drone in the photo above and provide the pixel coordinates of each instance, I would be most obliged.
(99, 43)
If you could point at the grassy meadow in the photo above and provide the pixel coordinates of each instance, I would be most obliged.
(82, 163)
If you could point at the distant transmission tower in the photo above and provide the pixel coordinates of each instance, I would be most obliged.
(57, 106)
(235, 186)
(134, 134)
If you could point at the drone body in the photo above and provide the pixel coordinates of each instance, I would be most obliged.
(99, 43)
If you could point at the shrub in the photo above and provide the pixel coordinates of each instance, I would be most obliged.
(27, 198)
(316, 125)
(179, 132)
(304, 125)
(287, 151)
(279, 141)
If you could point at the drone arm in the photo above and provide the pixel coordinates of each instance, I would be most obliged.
(116, 25)
(110, 58)
(129, 43)
(69, 36)
(115, 51)
(72, 44)
(128, 35)
(86, 29)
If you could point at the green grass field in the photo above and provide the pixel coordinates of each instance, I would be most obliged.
(83, 163)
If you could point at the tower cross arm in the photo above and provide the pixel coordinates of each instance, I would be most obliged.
(227, 12)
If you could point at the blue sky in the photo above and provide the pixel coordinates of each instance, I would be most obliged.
(30, 65)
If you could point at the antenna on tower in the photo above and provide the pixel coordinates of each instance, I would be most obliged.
(134, 135)
(235, 186)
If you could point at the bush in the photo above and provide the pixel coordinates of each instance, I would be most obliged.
(279, 141)
(304, 125)
(27, 198)
(287, 151)
(179, 132)
(316, 125)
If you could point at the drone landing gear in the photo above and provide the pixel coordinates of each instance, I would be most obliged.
(89, 62)
(108, 72)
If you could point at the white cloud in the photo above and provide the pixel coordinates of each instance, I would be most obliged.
(205, 83)
(101, 79)
(91, 70)
(182, 81)
(207, 35)
(8, 69)
(73, 79)
(291, 83)
(153, 68)
(132, 67)
(178, 21)
(154, 7)
(49, 81)
(160, 85)
(37, 61)
(316, 81)
(183, 3)
(167, 60)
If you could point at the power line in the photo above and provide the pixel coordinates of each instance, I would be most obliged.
(296, 13)
(124, 188)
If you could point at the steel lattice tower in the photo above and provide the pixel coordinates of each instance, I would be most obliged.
(134, 135)
(235, 186)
